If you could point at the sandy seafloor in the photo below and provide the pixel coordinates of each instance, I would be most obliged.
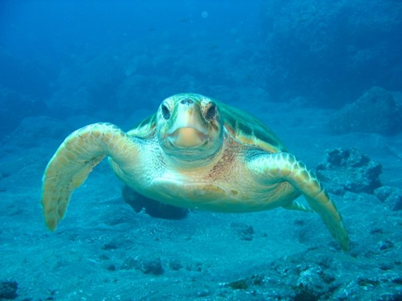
(102, 248)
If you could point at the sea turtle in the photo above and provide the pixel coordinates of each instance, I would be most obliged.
(195, 153)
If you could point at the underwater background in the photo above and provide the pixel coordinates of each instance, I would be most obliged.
(326, 76)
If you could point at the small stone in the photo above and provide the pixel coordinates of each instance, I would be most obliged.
(239, 284)
(385, 266)
(110, 246)
(327, 277)
(391, 196)
(385, 245)
(153, 267)
(382, 193)
(175, 265)
(131, 264)
(203, 293)
(397, 280)
(195, 267)
(394, 202)
(244, 231)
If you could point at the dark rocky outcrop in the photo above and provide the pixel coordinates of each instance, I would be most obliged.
(8, 290)
(349, 170)
(375, 112)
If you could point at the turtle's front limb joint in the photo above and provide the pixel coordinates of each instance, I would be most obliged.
(281, 167)
(73, 161)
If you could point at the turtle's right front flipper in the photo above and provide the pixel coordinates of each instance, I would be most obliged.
(80, 152)
(279, 167)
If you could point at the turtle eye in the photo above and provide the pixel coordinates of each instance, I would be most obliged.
(211, 112)
(165, 112)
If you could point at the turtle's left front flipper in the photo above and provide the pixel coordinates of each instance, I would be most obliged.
(80, 152)
(285, 167)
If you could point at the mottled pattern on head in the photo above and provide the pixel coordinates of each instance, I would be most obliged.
(186, 125)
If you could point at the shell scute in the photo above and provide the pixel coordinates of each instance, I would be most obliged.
(249, 130)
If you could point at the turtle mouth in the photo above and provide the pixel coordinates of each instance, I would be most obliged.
(187, 137)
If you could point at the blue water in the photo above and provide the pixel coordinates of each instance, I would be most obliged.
(328, 53)
(304, 67)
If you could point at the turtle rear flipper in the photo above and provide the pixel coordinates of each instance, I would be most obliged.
(73, 161)
(279, 167)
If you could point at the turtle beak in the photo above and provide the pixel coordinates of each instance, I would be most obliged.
(188, 129)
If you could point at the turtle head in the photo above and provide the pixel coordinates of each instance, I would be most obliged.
(189, 126)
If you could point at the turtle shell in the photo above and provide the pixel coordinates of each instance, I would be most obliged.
(249, 130)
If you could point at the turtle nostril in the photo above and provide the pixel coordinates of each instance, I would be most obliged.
(186, 101)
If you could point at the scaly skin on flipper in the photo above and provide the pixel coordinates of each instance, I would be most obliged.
(80, 152)
(285, 167)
